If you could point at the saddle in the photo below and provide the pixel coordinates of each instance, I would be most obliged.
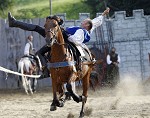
(79, 51)
(80, 54)
(32, 59)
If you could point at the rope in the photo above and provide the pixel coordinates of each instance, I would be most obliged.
(16, 73)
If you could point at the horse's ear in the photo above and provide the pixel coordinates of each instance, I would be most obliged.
(60, 21)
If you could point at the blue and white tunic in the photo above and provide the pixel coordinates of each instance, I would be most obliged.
(79, 36)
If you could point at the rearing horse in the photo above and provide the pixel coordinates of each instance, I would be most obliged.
(62, 66)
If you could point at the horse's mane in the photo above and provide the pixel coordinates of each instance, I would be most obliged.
(58, 19)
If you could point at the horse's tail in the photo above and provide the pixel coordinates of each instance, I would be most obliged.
(21, 66)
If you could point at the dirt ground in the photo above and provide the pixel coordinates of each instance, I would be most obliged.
(128, 100)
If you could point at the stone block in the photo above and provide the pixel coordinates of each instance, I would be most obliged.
(131, 58)
(83, 16)
(120, 15)
(141, 24)
(138, 13)
(62, 16)
(69, 23)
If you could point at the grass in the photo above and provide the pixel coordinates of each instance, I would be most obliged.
(25, 9)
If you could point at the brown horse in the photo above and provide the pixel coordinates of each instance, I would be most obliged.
(62, 66)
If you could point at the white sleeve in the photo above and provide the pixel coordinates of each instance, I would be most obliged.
(108, 59)
(97, 22)
(78, 37)
(119, 59)
(26, 49)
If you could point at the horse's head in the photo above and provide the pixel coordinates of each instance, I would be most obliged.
(52, 26)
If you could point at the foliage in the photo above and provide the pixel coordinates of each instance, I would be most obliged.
(72, 8)
(129, 5)
(119, 5)
(6, 5)
(96, 5)
(40, 8)
(25, 9)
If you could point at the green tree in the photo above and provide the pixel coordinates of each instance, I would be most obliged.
(129, 5)
(5, 5)
(119, 5)
(97, 5)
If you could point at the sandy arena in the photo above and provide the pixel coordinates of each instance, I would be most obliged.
(128, 100)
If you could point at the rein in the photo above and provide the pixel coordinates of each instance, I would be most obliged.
(53, 39)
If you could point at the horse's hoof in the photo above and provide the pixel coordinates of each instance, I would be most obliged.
(27, 93)
(53, 108)
(83, 98)
(34, 91)
(67, 98)
(60, 104)
(81, 115)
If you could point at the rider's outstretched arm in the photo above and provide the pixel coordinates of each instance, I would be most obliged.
(99, 20)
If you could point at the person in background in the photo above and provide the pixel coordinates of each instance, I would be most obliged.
(113, 60)
(29, 52)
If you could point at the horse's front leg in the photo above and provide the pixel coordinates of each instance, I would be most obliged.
(56, 103)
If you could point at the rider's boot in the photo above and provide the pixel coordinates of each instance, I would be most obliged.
(25, 26)
(15, 23)
(45, 73)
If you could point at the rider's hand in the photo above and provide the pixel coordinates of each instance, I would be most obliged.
(106, 12)
(115, 63)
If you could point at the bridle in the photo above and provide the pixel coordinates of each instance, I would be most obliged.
(53, 40)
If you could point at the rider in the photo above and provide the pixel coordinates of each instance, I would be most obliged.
(77, 35)
(113, 60)
(29, 51)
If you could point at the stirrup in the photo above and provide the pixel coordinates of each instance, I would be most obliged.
(93, 60)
